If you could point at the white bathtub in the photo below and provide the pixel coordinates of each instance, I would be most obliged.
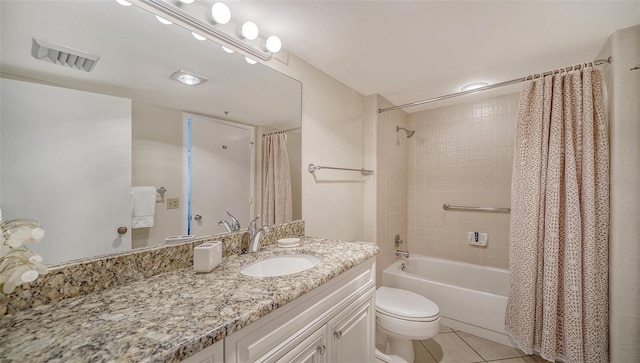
(471, 298)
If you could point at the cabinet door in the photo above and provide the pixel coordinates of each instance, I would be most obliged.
(352, 333)
(211, 354)
(311, 350)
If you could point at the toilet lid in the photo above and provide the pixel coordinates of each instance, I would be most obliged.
(404, 304)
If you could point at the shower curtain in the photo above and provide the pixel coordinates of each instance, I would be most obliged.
(276, 181)
(558, 290)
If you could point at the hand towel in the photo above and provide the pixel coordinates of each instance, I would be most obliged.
(143, 206)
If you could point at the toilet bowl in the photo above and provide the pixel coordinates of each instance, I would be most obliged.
(401, 317)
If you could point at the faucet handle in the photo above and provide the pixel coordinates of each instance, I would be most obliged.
(252, 224)
(235, 224)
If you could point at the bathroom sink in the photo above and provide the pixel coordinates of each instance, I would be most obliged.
(280, 265)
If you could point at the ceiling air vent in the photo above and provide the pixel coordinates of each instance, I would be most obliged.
(62, 55)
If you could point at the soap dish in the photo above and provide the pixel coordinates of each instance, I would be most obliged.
(289, 242)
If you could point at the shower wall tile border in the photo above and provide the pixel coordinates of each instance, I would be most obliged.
(80, 277)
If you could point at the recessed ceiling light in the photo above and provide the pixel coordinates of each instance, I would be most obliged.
(188, 78)
(474, 85)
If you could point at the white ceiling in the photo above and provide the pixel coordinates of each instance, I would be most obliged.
(411, 50)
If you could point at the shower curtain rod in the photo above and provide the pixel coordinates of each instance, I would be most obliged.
(492, 86)
(281, 131)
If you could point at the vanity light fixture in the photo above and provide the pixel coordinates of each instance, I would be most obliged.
(163, 20)
(215, 24)
(220, 13)
(249, 30)
(124, 2)
(188, 78)
(472, 86)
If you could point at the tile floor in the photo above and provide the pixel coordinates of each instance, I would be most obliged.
(454, 346)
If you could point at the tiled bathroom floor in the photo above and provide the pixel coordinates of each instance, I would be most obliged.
(453, 346)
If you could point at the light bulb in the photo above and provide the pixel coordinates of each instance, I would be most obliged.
(189, 79)
(273, 44)
(227, 50)
(220, 13)
(163, 20)
(123, 2)
(249, 30)
(249, 60)
(198, 36)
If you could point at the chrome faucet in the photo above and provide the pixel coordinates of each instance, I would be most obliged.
(403, 254)
(225, 224)
(233, 227)
(254, 235)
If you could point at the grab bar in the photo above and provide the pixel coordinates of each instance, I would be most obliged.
(447, 206)
(313, 168)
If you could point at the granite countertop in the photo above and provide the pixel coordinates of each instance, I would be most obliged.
(168, 317)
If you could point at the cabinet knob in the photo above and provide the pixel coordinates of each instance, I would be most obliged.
(338, 334)
(322, 349)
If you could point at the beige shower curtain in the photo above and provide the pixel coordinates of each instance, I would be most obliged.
(558, 291)
(276, 181)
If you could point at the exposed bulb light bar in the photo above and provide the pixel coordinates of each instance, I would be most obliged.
(208, 23)
(474, 85)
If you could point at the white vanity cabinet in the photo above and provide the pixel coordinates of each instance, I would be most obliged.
(334, 322)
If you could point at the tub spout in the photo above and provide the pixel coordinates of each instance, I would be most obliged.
(403, 254)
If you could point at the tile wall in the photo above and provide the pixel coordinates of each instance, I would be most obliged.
(391, 183)
(462, 155)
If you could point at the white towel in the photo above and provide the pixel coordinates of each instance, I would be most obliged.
(143, 206)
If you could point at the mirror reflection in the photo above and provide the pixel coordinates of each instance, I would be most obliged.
(124, 145)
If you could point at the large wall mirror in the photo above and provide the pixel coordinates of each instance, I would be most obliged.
(76, 145)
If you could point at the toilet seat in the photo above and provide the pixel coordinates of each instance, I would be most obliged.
(405, 305)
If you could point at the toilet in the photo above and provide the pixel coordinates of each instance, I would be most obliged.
(401, 317)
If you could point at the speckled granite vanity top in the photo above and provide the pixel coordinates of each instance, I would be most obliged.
(167, 317)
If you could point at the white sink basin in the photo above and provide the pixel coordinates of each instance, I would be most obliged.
(280, 265)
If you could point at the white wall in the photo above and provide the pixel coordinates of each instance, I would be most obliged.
(332, 135)
(623, 88)
(66, 158)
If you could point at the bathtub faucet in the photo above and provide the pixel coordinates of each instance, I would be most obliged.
(403, 254)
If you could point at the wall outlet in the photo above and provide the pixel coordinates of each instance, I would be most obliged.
(173, 203)
(478, 239)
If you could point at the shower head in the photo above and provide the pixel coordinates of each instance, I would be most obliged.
(409, 132)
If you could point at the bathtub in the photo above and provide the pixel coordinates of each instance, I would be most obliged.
(471, 298)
